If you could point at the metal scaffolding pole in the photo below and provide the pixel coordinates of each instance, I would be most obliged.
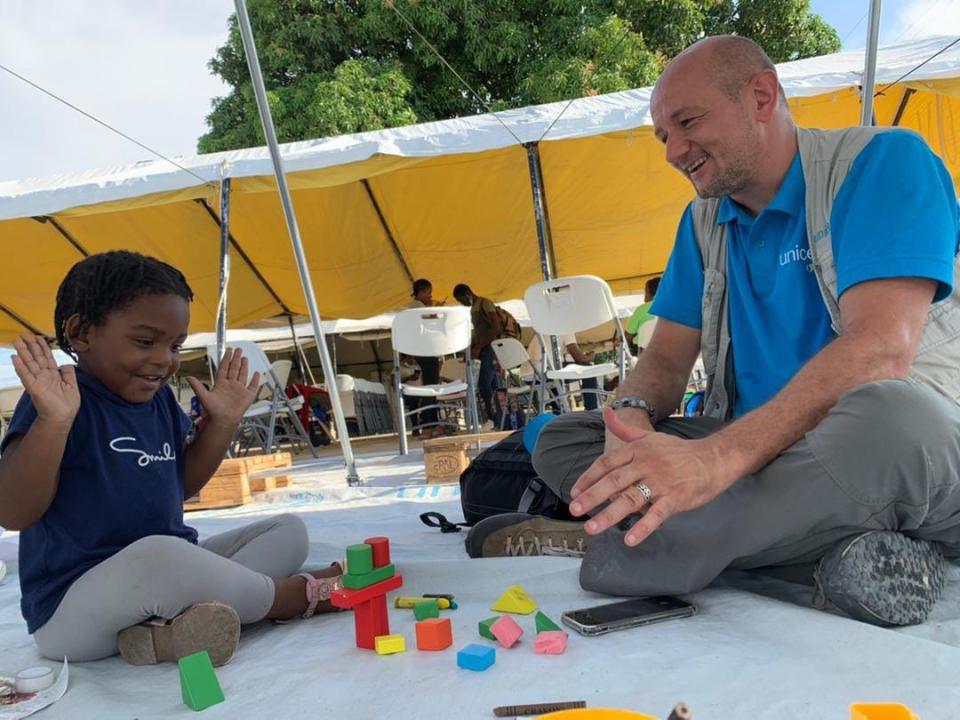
(870, 64)
(544, 241)
(256, 76)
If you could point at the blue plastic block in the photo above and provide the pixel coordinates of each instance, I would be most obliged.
(476, 657)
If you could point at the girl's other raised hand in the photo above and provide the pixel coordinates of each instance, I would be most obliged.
(53, 390)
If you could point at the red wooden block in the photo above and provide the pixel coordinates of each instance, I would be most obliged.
(434, 634)
(381, 550)
(346, 598)
(370, 620)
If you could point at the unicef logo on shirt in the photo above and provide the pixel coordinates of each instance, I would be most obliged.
(145, 457)
(797, 254)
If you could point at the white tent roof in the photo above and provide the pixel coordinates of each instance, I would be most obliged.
(584, 117)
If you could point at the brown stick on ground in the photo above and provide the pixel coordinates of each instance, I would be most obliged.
(537, 709)
(680, 712)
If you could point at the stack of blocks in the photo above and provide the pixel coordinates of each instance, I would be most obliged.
(370, 576)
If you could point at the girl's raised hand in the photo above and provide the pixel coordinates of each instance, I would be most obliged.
(232, 393)
(53, 390)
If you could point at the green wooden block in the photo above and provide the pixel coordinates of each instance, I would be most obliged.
(426, 609)
(359, 559)
(356, 582)
(198, 681)
(485, 630)
(544, 623)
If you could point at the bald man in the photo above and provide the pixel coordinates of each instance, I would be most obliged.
(816, 274)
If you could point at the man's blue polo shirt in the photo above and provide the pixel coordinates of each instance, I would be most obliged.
(894, 216)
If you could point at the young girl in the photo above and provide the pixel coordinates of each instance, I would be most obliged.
(95, 467)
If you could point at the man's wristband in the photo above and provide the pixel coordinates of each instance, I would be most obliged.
(632, 401)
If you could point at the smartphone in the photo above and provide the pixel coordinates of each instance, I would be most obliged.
(626, 614)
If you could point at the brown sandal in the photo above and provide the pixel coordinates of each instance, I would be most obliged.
(210, 626)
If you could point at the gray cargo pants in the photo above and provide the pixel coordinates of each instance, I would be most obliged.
(886, 457)
(160, 576)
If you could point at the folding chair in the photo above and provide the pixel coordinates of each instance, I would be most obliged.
(433, 332)
(645, 332)
(259, 423)
(522, 376)
(569, 305)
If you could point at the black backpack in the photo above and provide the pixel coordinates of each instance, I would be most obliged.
(501, 479)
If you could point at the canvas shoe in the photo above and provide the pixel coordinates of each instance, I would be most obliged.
(880, 577)
(210, 626)
(517, 534)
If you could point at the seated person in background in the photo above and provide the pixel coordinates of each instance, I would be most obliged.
(642, 314)
(428, 367)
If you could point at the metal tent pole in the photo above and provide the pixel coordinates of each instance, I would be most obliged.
(544, 241)
(224, 267)
(870, 64)
(266, 119)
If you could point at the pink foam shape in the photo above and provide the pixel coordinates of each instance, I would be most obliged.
(506, 631)
(550, 642)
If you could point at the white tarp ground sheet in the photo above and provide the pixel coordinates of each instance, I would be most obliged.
(749, 653)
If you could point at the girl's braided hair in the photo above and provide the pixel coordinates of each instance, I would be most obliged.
(103, 283)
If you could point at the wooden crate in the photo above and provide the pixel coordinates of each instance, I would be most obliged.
(236, 478)
(445, 458)
(229, 487)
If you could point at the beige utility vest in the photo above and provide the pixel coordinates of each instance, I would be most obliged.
(826, 157)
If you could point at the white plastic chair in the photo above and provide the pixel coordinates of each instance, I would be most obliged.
(258, 426)
(513, 357)
(433, 332)
(570, 305)
(645, 332)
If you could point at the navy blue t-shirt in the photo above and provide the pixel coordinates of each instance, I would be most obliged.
(121, 479)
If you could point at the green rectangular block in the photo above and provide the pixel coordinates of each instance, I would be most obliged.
(544, 623)
(359, 559)
(485, 630)
(426, 609)
(198, 681)
(356, 582)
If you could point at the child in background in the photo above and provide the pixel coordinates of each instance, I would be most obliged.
(96, 465)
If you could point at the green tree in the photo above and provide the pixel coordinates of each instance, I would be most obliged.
(340, 66)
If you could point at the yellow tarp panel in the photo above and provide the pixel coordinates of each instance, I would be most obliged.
(464, 218)
(614, 204)
(355, 273)
(184, 235)
(35, 259)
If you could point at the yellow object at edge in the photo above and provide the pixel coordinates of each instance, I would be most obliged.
(389, 644)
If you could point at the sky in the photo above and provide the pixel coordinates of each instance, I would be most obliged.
(141, 66)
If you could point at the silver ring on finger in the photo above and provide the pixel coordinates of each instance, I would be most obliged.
(645, 491)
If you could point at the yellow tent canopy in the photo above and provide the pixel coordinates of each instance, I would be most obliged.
(450, 201)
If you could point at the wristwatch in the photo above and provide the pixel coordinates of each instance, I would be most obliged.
(634, 402)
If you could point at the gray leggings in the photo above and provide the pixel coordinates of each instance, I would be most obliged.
(160, 576)
(886, 457)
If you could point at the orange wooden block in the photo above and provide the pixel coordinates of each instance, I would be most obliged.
(434, 634)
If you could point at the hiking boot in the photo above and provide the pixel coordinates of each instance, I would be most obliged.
(209, 626)
(516, 534)
(881, 578)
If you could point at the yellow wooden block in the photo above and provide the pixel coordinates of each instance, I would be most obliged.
(389, 644)
(515, 600)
